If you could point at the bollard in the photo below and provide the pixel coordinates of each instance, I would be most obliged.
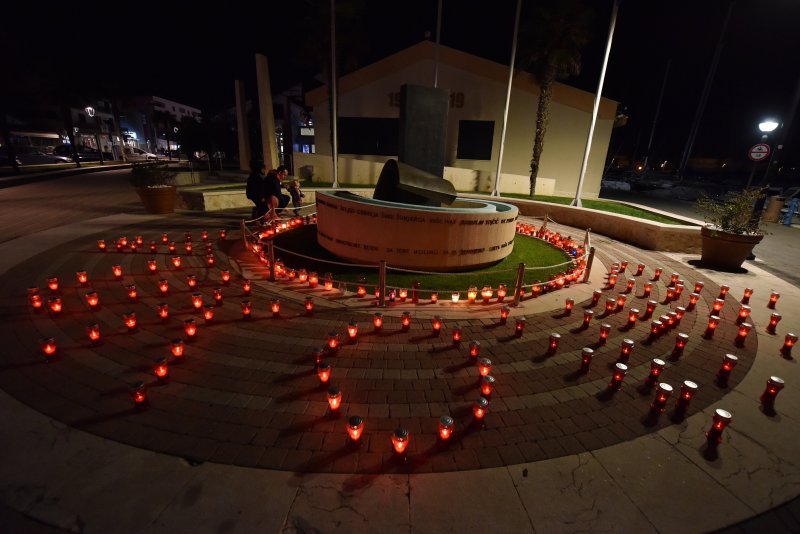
(382, 284)
(589, 261)
(518, 284)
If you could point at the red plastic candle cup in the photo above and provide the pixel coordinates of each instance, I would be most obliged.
(133, 294)
(623, 266)
(246, 286)
(655, 328)
(487, 385)
(484, 366)
(161, 370)
(612, 280)
(670, 294)
(596, 294)
(657, 273)
(275, 307)
(680, 342)
(479, 408)
(334, 398)
(640, 269)
(621, 298)
(729, 361)
(456, 336)
(620, 370)
(651, 307)
(400, 439)
(377, 321)
(519, 326)
(587, 317)
(190, 327)
(633, 315)
(55, 305)
(504, 312)
(656, 368)
(436, 323)
(723, 290)
(208, 312)
(718, 305)
(225, 276)
(474, 348)
(177, 348)
(486, 294)
(35, 300)
(501, 292)
(163, 310)
(554, 340)
(748, 292)
(626, 349)
(313, 280)
(434, 298)
(197, 301)
(774, 386)
(101, 245)
(93, 332)
(744, 312)
(586, 358)
(472, 294)
(698, 287)
(744, 329)
(82, 278)
(405, 321)
(130, 320)
(722, 418)
(680, 311)
(188, 247)
(605, 330)
(355, 427)
(688, 390)
(773, 299)
(116, 270)
(247, 309)
(333, 340)
(648, 288)
(324, 372)
(352, 330)
(153, 247)
(48, 346)
(446, 427)
(138, 392)
(569, 303)
(217, 292)
(328, 282)
(631, 286)
(663, 393)
(319, 355)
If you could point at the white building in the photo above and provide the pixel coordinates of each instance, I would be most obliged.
(369, 101)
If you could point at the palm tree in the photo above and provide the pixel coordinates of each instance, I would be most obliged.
(551, 39)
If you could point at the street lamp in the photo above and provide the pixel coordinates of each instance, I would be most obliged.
(91, 112)
(766, 126)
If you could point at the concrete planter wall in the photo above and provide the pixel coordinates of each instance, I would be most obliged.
(646, 234)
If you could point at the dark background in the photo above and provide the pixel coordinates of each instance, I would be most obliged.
(191, 53)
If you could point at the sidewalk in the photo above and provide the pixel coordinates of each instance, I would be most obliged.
(239, 440)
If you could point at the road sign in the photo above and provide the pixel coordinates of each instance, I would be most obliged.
(758, 152)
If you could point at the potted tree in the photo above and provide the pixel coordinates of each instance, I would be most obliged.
(732, 229)
(153, 183)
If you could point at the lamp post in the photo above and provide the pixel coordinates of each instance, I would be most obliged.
(766, 126)
(91, 112)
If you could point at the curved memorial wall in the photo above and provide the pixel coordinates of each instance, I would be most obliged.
(468, 234)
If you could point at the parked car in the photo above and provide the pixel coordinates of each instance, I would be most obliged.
(137, 154)
(84, 153)
(31, 156)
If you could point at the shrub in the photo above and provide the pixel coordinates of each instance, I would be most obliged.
(733, 215)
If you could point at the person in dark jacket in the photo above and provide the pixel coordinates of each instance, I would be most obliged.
(257, 188)
(274, 183)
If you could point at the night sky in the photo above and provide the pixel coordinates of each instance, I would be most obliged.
(192, 54)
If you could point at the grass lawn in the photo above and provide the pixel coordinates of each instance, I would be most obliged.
(604, 205)
(533, 252)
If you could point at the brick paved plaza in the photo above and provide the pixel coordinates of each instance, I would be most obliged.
(243, 418)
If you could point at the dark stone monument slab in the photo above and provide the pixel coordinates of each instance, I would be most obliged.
(423, 128)
(399, 182)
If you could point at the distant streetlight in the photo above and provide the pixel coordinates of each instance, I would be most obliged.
(91, 112)
(768, 125)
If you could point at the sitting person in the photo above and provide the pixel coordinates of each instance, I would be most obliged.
(256, 190)
(274, 183)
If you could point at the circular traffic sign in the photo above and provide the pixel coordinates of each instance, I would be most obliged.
(758, 152)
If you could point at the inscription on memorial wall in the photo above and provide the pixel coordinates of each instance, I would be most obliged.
(415, 219)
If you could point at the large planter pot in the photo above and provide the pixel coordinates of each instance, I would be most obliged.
(158, 200)
(726, 251)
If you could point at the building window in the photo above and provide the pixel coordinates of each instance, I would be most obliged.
(475, 140)
(368, 136)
